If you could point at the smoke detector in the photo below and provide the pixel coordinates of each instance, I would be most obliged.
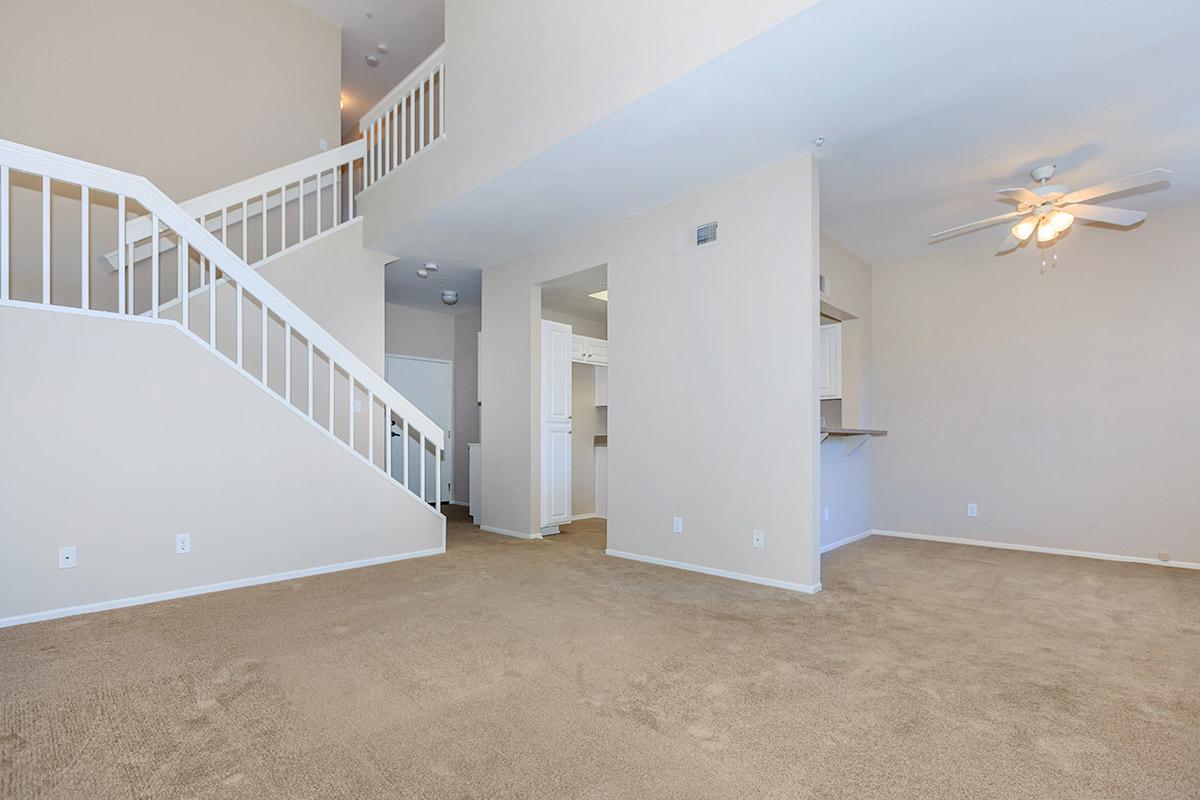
(449, 297)
(372, 61)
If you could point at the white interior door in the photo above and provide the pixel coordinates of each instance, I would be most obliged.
(429, 385)
(556, 424)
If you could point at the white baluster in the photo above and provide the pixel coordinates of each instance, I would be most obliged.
(387, 440)
(283, 218)
(121, 254)
(419, 144)
(5, 244)
(404, 115)
(263, 218)
(422, 451)
(84, 249)
(245, 233)
(370, 426)
(154, 266)
(240, 298)
(337, 195)
(319, 176)
(225, 226)
(404, 439)
(46, 239)
(395, 139)
(287, 362)
(132, 278)
(441, 101)
(300, 226)
(437, 478)
(212, 305)
(311, 380)
(183, 280)
(331, 371)
(266, 318)
(350, 411)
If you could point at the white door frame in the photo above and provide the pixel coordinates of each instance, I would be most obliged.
(447, 453)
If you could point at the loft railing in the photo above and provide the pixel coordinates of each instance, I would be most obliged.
(230, 309)
(270, 214)
(409, 118)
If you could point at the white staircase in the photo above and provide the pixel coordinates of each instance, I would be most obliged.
(189, 266)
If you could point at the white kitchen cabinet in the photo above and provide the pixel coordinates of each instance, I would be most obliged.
(601, 387)
(556, 425)
(831, 361)
(586, 350)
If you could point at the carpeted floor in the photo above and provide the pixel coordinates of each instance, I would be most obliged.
(511, 669)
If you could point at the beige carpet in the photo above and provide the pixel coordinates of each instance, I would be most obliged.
(511, 669)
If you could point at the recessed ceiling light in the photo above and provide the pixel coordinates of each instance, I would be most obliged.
(372, 61)
(820, 140)
(449, 297)
(600, 295)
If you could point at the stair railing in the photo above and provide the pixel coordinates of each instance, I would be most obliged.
(230, 309)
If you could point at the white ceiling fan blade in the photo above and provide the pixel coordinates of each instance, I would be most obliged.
(1113, 216)
(1119, 185)
(1010, 243)
(1023, 195)
(976, 225)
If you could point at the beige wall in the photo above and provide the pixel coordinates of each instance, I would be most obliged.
(1062, 404)
(846, 479)
(712, 384)
(449, 337)
(194, 96)
(167, 440)
(550, 69)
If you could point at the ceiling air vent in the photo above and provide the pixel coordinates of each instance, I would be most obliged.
(706, 234)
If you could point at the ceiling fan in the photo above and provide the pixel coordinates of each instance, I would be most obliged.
(1049, 209)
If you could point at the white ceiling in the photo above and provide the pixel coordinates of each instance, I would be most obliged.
(411, 29)
(569, 294)
(403, 287)
(927, 107)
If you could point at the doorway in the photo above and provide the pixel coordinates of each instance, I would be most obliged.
(428, 383)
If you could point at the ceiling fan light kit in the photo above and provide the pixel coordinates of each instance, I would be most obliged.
(1049, 210)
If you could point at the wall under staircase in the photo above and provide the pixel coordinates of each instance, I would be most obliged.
(233, 416)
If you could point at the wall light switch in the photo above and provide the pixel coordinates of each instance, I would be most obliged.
(66, 557)
(758, 540)
(972, 510)
(677, 524)
(826, 515)
(183, 543)
(323, 144)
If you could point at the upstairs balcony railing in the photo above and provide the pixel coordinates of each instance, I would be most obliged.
(409, 119)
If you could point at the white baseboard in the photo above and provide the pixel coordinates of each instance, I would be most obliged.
(593, 515)
(514, 534)
(806, 588)
(174, 594)
(1054, 551)
(825, 548)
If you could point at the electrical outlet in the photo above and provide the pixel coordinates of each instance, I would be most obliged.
(826, 515)
(66, 557)
(183, 543)
(677, 525)
(758, 540)
(972, 510)
(323, 144)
